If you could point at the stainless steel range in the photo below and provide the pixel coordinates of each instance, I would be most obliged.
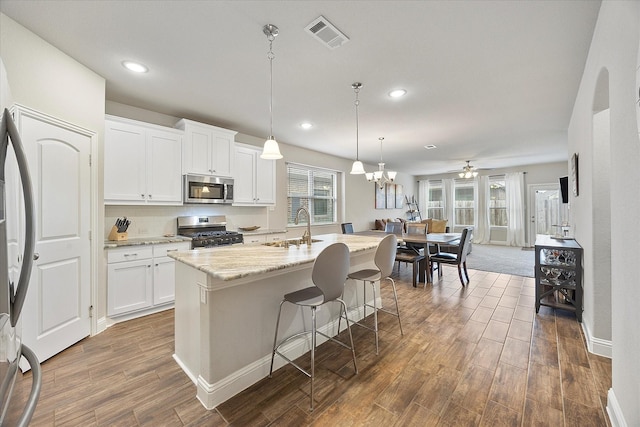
(207, 231)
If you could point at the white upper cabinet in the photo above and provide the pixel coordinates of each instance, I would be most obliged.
(207, 150)
(255, 178)
(142, 163)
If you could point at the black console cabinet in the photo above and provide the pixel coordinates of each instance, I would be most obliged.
(559, 274)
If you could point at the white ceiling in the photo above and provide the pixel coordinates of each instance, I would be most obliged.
(491, 82)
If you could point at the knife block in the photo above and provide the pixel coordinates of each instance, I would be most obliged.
(115, 236)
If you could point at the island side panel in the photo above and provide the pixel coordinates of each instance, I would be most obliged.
(189, 282)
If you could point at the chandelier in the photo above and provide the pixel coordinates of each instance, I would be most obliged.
(271, 151)
(379, 176)
(357, 168)
(468, 171)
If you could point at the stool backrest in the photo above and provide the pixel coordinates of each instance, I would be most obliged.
(330, 270)
(385, 255)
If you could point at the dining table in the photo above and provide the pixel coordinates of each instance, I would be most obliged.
(424, 273)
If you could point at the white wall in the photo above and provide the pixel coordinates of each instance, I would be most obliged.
(615, 48)
(45, 79)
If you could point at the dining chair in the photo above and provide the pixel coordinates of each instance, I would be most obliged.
(393, 227)
(328, 275)
(416, 228)
(384, 260)
(413, 253)
(347, 228)
(459, 258)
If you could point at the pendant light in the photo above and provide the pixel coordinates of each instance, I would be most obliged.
(271, 151)
(357, 168)
(379, 176)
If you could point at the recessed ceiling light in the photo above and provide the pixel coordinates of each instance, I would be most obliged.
(430, 147)
(397, 93)
(306, 125)
(136, 67)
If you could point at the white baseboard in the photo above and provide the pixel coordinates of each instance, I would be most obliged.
(190, 374)
(597, 345)
(102, 325)
(614, 411)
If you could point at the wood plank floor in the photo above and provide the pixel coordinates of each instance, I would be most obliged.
(474, 356)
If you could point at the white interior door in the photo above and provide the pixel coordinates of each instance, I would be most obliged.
(56, 310)
(544, 210)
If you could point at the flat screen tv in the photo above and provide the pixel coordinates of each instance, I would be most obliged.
(564, 188)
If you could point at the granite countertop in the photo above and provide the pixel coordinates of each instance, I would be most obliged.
(238, 261)
(110, 244)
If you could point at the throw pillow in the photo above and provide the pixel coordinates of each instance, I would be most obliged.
(438, 226)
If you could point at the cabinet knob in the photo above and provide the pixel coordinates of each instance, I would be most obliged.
(150, 196)
(36, 256)
(142, 196)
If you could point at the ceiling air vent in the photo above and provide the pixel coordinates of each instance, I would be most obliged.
(326, 33)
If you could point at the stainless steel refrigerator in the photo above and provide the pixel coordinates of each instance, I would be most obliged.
(13, 290)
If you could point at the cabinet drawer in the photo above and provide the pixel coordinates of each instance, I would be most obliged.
(253, 239)
(131, 253)
(275, 237)
(164, 249)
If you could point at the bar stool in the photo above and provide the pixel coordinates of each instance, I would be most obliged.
(384, 259)
(328, 275)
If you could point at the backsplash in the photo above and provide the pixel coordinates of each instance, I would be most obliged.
(154, 221)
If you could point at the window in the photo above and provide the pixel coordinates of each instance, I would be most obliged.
(435, 200)
(497, 202)
(464, 202)
(313, 188)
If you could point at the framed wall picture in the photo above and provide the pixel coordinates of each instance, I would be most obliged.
(399, 196)
(574, 175)
(391, 196)
(380, 197)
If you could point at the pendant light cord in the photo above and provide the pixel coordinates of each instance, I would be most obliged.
(356, 88)
(271, 56)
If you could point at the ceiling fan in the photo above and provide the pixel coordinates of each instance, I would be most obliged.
(468, 171)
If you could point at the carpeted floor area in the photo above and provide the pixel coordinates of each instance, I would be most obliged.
(502, 259)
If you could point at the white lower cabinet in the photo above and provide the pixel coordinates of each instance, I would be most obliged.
(141, 277)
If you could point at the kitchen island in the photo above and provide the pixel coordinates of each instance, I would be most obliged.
(227, 301)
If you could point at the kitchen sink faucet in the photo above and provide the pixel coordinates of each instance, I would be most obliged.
(306, 237)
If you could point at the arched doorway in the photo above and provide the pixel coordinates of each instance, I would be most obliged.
(598, 304)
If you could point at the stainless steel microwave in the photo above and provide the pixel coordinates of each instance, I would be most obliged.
(207, 189)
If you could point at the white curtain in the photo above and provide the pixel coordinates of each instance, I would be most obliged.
(423, 197)
(448, 199)
(514, 187)
(482, 232)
